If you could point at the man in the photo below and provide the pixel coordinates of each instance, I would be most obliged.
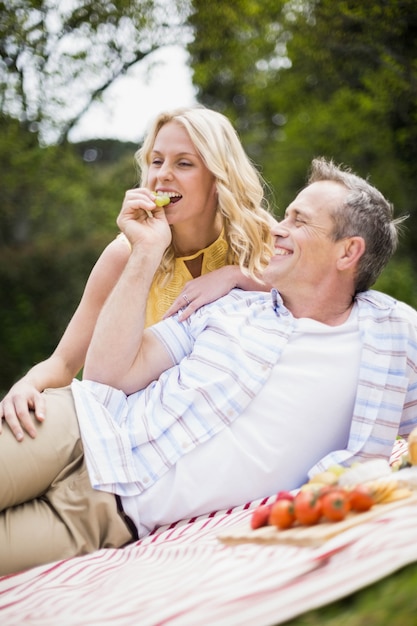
(241, 400)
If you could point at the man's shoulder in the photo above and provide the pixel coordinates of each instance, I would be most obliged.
(383, 303)
(239, 299)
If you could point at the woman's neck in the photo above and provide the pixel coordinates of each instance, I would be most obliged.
(187, 242)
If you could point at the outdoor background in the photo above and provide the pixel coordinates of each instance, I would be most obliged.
(297, 78)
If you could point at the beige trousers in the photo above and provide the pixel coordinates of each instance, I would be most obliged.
(48, 509)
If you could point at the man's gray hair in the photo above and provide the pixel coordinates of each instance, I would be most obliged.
(364, 213)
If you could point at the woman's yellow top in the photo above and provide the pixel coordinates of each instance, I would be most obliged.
(161, 298)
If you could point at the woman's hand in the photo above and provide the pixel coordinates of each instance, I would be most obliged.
(210, 287)
(15, 406)
(142, 221)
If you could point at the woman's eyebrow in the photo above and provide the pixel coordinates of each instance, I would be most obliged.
(177, 154)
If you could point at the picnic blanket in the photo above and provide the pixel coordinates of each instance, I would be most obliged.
(184, 575)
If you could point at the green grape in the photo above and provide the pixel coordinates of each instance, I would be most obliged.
(162, 199)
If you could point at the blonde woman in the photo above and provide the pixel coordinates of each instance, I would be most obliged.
(220, 239)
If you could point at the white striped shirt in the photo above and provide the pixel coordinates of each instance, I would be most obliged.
(225, 353)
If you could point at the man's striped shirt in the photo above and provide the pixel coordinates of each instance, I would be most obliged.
(224, 353)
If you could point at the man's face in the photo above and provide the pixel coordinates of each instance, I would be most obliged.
(304, 253)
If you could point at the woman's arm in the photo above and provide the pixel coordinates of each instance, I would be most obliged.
(121, 354)
(68, 358)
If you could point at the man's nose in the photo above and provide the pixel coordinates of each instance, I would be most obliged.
(280, 229)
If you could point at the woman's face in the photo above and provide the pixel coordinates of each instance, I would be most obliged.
(177, 168)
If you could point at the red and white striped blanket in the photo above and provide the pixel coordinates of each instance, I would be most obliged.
(183, 575)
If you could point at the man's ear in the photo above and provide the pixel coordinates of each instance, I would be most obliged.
(352, 250)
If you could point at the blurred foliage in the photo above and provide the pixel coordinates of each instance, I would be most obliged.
(58, 211)
(298, 78)
(59, 192)
(56, 58)
(43, 284)
(303, 78)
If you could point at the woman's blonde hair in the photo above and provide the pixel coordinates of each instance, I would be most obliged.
(240, 188)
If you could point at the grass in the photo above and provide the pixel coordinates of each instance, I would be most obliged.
(391, 601)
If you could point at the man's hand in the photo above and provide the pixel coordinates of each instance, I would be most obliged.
(15, 406)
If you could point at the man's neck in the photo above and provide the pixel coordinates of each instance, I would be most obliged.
(333, 313)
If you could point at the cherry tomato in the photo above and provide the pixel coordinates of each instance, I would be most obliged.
(285, 495)
(260, 516)
(335, 505)
(327, 489)
(307, 507)
(282, 514)
(361, 498)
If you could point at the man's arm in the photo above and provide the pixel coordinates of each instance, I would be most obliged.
(121, 354)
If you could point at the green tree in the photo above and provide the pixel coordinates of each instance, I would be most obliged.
(310, 72)
(303, 78)
(58, 212)
(59, 202)
(53, 193)
(40, 287)
(358, 92)
(57, 58)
